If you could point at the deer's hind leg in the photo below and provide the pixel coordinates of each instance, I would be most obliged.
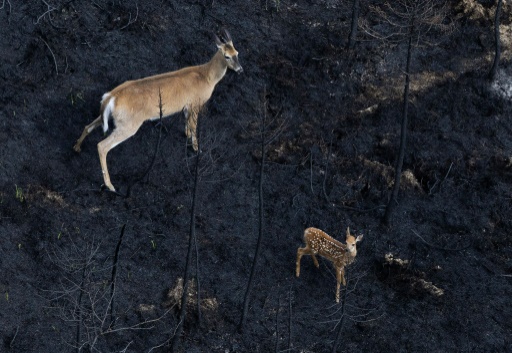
(87, 130)
(121, 133)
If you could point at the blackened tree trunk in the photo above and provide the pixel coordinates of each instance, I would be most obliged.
(260, 227)
(353, 28)
(403, 132)
(191, 238)
(497, 43)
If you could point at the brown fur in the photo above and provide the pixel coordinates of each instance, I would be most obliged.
(134, 102)
(341, 255)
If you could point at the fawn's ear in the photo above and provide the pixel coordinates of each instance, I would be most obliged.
(348, 231)
(359, 238)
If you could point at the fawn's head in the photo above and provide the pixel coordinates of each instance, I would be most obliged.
(351, 242)
(225, 45)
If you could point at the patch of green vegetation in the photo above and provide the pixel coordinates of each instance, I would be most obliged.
(75, 97)
(19, 193)
(276, 4)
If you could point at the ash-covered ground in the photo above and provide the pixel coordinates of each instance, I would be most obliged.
(437, 279)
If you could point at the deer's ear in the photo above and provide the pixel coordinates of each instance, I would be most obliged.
(348, 231)
(226, 35)
(359, 238)
(218, 42)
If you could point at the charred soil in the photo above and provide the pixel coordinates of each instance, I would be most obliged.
(437, 279)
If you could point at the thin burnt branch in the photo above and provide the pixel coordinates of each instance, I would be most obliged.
(157, 147)
(114, 274)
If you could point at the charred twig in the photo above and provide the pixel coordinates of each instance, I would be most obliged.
(430, 191)
(53, 55)
(277, 322)
(10, 10)
(360, 209)
(198, 284)
(11, 344)
(353, 28)
(361, 314)
(311, 171)
(157, 147)
(79, 308)
(439, 247)
(278, 130)
(139, 326)
(49, 9)
(290, 319)
(48, 12)
(98, 5)
(340, 322)
(325, 173)
(160, 345)
(130, 19)
(191, 238)
(497, 45)
(114, 274)
(448, 172)
(439, 182)
(67, 65)
(126, 348)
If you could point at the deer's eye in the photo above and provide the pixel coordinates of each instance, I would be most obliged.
(227, 57)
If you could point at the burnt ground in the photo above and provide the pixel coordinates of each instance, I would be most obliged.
(437, 279)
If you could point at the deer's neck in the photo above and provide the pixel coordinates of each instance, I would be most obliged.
(216, 68)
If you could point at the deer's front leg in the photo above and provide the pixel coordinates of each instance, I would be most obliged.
(191, 127)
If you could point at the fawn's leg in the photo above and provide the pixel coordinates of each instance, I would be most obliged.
(300, 253)
(339, 276)
(315, 260)
(343, 276)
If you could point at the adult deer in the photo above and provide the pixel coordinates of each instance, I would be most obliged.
(341, 255)
(133, 102)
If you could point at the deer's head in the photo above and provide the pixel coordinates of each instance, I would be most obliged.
(225, 45)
